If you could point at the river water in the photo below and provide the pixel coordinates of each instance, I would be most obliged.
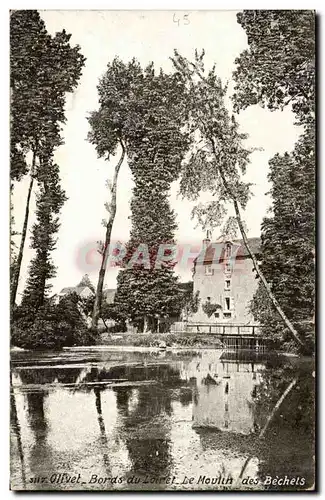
(156, 420)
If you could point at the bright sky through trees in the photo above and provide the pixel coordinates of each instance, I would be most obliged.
(147, 36)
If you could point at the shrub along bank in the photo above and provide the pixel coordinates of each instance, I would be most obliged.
(158, 340)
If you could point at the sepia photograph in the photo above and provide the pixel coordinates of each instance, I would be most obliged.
(162, 250)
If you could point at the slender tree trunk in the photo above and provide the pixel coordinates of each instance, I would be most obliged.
(45, 255)
(248, 459)
(277, 406)
(145, 324)
(102, 270)
(261, 276)
(101, 423)
(16, 273)
(17, 431)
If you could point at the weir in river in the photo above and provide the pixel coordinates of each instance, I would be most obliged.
(231, 336)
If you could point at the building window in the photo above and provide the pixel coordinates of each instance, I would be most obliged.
(208, 270)
(227, 284)
(227, 314)
(228, 267)
(227, 303)
(228, 251)
(216, 315)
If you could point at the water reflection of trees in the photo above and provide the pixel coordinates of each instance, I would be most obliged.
(102, 430)
(290, 435)
(145, 429)
(49, 376)
(163, 373)
(15, 426)
(143, 413)
(287, 447)
(288, 444)
(36, 389)
(297, 409)
(40, 455)
(36, 396)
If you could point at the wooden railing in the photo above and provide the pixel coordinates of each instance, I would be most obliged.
(217, 329)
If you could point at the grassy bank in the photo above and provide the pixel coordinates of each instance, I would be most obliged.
(158, 340)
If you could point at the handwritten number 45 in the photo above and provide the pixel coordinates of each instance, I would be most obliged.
(181, 20)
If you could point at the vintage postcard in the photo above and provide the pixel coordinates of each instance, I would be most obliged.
(162, 274)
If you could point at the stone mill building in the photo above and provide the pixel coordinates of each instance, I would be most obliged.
(224, 282)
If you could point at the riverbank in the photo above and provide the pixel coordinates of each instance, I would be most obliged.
(151, 341)
(158, 340)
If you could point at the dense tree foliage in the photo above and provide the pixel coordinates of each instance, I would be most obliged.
(109, 312)
(50, 199)
(52, 327)
(276, 70)
(140, 112)
(288, 243)
(190, 300)
(111, 126)
(147, 292)
(42, 70)
(218, 155)
(278, 67)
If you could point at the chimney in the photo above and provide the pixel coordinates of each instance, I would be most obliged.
(206, 242)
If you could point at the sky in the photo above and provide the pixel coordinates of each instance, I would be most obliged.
(148, 36)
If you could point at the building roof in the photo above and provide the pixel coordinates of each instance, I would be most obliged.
(216, 251)
(71, 289)
(108, 293)
(254, 245)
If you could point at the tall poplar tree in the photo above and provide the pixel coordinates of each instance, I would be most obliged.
(148, 293)
(140, 116)
(112, 126)
(42, 70)
(50, 199)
